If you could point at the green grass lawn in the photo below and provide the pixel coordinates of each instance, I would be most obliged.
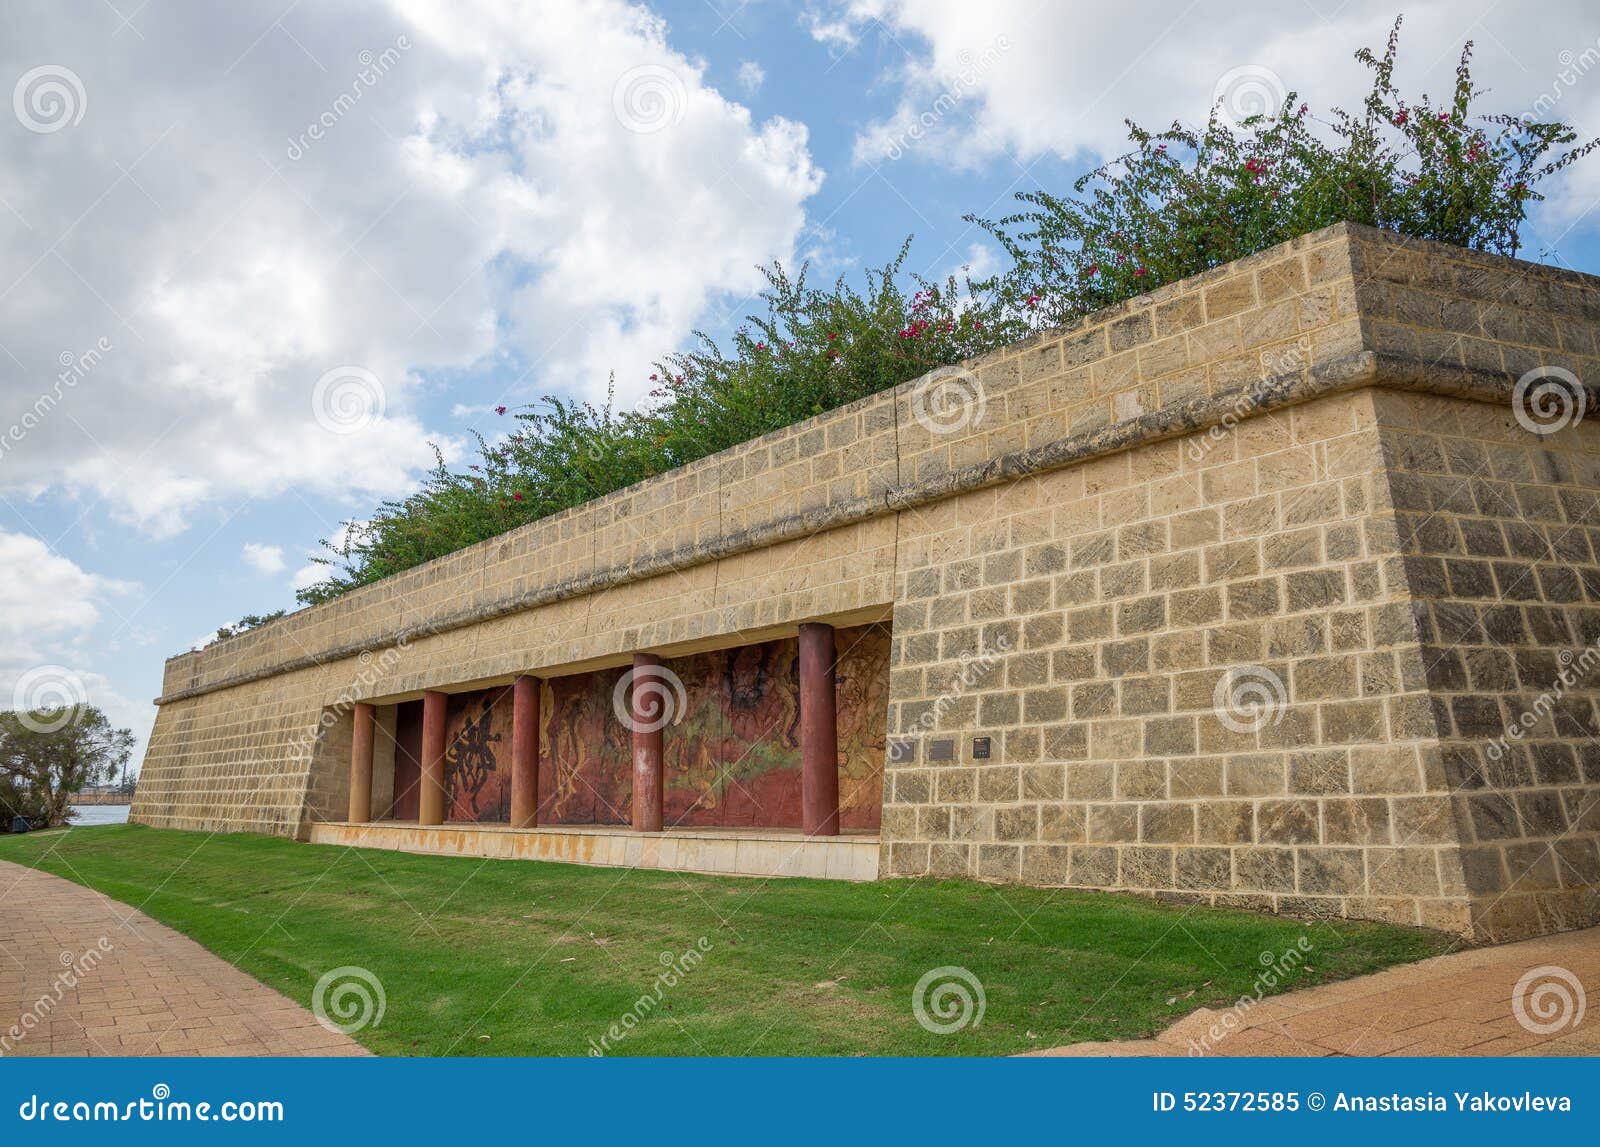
(524, 958)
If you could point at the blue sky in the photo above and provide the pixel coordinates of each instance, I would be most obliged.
(486, 217)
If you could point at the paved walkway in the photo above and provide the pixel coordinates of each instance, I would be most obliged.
(1459, 1004)
(81, 974)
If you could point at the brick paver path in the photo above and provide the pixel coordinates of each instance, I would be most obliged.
(140, 988)
(1458, 1004)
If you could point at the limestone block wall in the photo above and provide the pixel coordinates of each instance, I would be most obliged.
(1119, 618)
(1501, 541)
(1255, 484)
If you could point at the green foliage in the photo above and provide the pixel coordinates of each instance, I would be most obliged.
(48, 755)
(1181, 201)
(811, 351)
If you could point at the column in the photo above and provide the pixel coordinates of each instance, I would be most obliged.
(525, 752)
(648, 708)
(819, 732)
(430, 801)
(366, 720)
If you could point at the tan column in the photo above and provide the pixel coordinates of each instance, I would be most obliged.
(819, 732)
(366, 719)
(525, 752)
(430, 798)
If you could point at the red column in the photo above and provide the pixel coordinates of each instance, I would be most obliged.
(647, 707)
(819, 733)
(430, 802)
(366, 718)
(525, 752)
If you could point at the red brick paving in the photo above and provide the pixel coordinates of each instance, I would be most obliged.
(140, 988)
(1457, 1004)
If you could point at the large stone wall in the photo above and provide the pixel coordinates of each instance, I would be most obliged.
(1257, 479)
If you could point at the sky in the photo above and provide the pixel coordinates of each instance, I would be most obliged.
(257, 260)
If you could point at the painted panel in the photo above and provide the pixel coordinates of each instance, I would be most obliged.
(732, 758)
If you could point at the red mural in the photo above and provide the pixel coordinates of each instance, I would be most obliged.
(732, 756)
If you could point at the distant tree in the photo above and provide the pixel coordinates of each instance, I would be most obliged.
(245, 624)
(47, 756)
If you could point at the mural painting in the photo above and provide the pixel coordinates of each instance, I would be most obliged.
(732, 758)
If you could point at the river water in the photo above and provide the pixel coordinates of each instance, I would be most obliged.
(85, 815)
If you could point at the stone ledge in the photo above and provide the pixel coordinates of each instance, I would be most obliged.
(728, 852)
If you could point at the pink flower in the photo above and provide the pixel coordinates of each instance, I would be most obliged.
(499, 410)
(1033, 300)
(1139, 271)
(832, 336)
(516, 497)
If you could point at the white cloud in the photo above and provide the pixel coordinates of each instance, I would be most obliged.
(263, 558)
(49, 606)
(751, 76)
(308, 575)
(391, 192)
